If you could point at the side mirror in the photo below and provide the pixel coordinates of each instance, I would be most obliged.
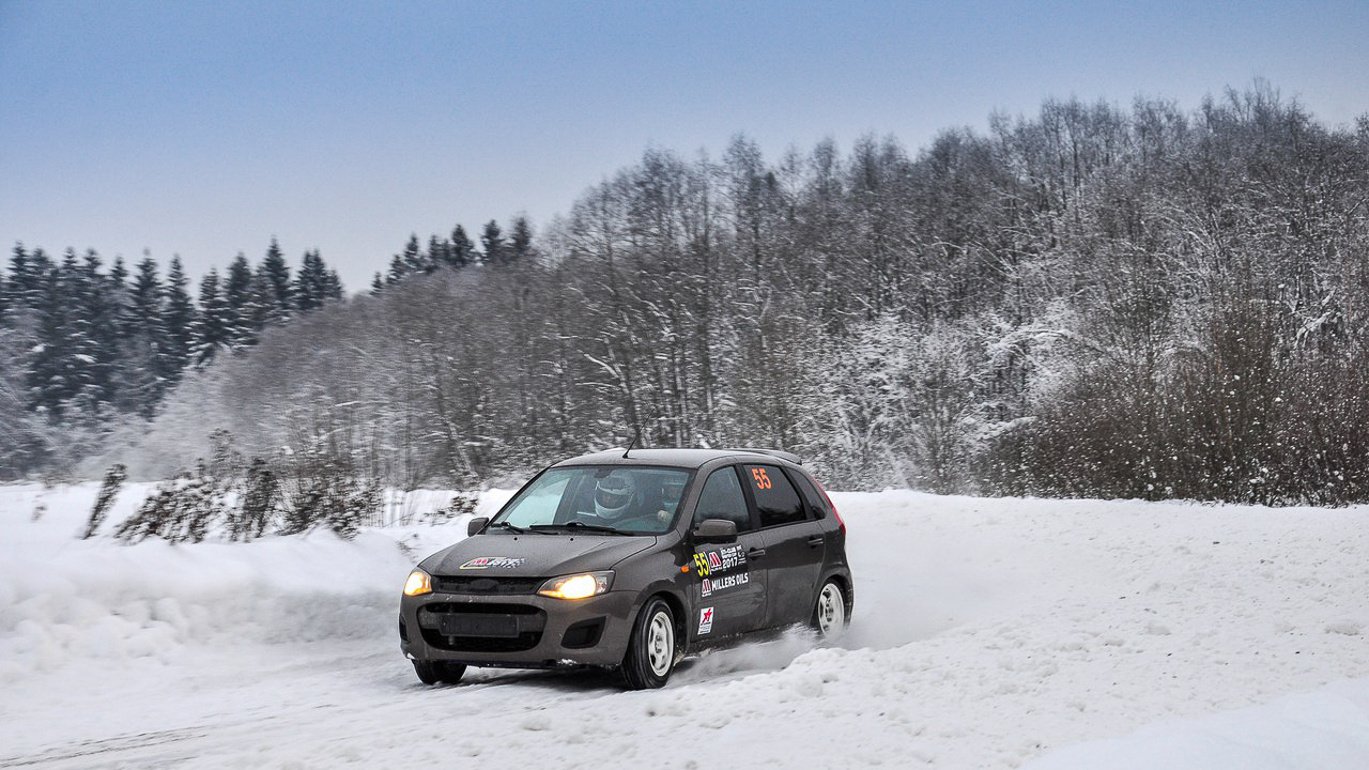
(476, 525)
(715, 531)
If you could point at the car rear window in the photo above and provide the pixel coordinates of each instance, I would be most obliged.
(811, 495)
(776, 500)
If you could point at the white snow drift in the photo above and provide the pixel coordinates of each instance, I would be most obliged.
(987, 633)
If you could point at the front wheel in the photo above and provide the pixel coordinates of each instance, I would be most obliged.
(829, 613)
(651, 650)
(438, 671)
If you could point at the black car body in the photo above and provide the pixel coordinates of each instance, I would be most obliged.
(720, 543)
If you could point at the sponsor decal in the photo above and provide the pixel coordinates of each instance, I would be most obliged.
(706, 588)
(701, 564)
(493, 562)
(705, 620)
(721, 560)
(728, 581)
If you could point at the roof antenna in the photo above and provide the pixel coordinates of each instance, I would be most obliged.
(635, 438)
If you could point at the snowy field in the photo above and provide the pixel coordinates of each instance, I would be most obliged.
(988, 633)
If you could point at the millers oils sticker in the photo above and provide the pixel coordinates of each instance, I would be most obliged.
(705, 620)
(721, 560)
(723, 583)
(493, 562)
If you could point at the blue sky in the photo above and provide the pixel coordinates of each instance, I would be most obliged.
(205, 128)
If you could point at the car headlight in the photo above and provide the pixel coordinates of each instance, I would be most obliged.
(581, 586)
(419, 583)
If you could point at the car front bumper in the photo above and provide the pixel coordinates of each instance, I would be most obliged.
(524, 631)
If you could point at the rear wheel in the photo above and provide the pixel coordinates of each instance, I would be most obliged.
(438, 671)
(829, 613)
(651, 651)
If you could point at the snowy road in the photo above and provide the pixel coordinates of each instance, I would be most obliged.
(987, 633)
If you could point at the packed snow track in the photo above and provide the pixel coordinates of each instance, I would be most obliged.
(988, 633)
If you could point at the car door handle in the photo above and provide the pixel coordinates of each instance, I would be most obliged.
(816, 541)
(755, 553)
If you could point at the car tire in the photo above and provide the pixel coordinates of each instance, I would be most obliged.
(438, 671)
(830, 616)
(652, 648)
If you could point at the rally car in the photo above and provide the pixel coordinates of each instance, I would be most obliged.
(630, 561)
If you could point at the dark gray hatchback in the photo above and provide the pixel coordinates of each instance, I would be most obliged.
(630, 561)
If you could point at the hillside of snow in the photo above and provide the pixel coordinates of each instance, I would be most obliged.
(988, 633)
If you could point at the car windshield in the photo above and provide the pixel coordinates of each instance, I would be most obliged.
(607, 499)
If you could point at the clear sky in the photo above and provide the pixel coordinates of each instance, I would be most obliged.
(204, 128)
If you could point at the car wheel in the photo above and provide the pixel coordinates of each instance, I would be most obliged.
(651, 651)
(438, 671)
(829, 612)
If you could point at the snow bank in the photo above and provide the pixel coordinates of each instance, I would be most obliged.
(987, 633)
(63, 598)
(1328, 728)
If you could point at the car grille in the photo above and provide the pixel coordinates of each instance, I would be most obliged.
(522, 626)
(486, 585)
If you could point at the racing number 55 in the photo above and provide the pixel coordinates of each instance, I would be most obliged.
(761, 478)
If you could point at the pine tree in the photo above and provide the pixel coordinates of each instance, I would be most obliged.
(238, 296)
(143, 347)
(310, 283)
(438, 253)
(277, 274)
(96, 329)
(16, 290)
(492, 239)
(27, 276)
(521, 239)
(261, 309)
(332, 286)
(398, 270)
(117, 281)
(415, 261)
(118, 275)
(179, 319)
(56, 374)
(377, 285)
(462, 251)
(213, 327)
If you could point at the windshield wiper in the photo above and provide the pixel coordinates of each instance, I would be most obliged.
(509, 527)
(580, 525)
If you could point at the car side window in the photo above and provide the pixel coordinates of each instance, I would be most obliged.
(722, 498)
(776, 500)
(811, 495)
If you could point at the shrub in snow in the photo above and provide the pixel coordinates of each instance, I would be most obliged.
(257, 505)
(114, 480)
(462, 504)
(180, 510)
(325, 490)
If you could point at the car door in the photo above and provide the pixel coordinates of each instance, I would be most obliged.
(730, 593)
(793, 541)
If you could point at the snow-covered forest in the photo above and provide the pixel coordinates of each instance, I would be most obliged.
(1149, 301)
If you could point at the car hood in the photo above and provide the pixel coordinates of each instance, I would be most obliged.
(534, 555)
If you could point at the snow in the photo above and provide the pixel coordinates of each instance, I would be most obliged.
(987, 633)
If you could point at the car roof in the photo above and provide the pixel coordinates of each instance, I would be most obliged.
(679, 458)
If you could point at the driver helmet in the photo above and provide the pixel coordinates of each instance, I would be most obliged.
(671, 490)
(612, 496)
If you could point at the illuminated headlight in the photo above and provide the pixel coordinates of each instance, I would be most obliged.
(581, 586)
(419, 583)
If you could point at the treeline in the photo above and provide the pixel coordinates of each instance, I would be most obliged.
(89, 353)
(82, 347)
(1089, 301)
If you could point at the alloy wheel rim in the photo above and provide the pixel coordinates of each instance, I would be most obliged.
(831, 610)
(660, 644)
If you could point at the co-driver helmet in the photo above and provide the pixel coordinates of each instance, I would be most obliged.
(671, 489)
